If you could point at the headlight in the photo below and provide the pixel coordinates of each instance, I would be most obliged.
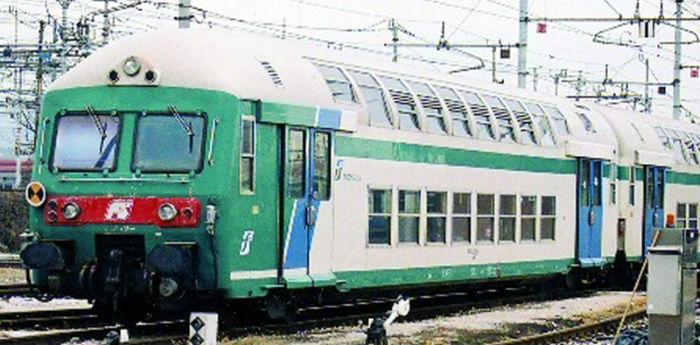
(167, 212)
(71, 211)
(131, 66)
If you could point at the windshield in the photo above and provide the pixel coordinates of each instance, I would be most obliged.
(169, 143)
(86, 142)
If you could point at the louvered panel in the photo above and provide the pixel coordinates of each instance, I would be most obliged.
(455, 106)
(479, 109)
(402, 97)
(267, 66)
(501, 114)
(430, 102)
(522, 117)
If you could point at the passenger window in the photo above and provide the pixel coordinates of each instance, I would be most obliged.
(337, 82)
(247, 159)
(482, 118)
(558, 119)
(461, 217)
(321, 182)
(527, 132)
(687, 216)
(460, 115)
(506, 218)
(374, 99)
(405, 104)
(528, 218)
(437, 217)
(409, 216)
(296, 162)
(587, 123)
(542, 122)
(485, 218)
(431, 106)
(548, 217)
(379, 216)
(505, 126)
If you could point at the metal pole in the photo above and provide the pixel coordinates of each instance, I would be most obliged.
(677, 63)
(522, 49)
(534, 79)
(184, 14)
(394, 39)
(105, 24)
(579, 83)
(647, 100)
(493, 65)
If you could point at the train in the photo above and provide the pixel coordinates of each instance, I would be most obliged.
(178, 169)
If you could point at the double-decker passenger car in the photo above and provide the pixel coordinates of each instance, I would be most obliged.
(175, 166)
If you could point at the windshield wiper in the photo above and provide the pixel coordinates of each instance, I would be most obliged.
(187, 127)
(101, 127)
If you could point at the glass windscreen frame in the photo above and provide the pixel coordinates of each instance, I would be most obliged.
(60, 160)
(197, 145)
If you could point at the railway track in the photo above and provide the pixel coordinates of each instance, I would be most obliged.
(61, 325)
(10, 261)
(12, 290)
(553, 337)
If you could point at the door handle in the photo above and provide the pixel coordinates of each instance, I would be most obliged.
(591, 217)
(311, 215)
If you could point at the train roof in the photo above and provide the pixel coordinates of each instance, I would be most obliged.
(254, 67)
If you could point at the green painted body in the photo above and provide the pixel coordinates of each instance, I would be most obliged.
(218, 184)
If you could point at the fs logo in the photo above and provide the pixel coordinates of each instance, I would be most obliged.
(339, 170)
(119, 209)
(246, 242)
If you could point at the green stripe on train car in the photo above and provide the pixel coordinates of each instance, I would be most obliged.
(415, 153)
(676, 177)
(451, 274)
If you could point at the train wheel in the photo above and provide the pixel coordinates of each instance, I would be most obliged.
(280, 306)
(573, 279)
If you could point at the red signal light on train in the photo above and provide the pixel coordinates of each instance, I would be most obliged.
(541, 28)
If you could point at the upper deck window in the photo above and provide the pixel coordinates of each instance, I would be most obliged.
(527, 132)
(502, 116)
(374, 99)
(677, 146)
(337, 82)
(460, 115)
(691, 147)
(431, 106)
(405, 104)
(541, 119)
(86, 142)
(558, 119)
(482, 118)
(169, 142)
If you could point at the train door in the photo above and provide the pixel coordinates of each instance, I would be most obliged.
(307, 188)
(590, 212)
(654, 186)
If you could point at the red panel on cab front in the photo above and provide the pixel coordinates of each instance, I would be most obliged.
(69, 210)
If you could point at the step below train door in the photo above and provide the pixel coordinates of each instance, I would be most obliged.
(307, 229)
(590, 212)
(654, 186)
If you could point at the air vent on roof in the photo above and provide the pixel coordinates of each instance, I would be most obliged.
(272, 73)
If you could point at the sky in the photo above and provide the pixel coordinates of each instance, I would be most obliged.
(364, 24)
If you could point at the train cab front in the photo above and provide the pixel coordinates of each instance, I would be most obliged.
(121, 215)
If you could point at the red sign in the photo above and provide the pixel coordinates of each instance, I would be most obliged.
(694, 72)
(116, 210)
(541, 28)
